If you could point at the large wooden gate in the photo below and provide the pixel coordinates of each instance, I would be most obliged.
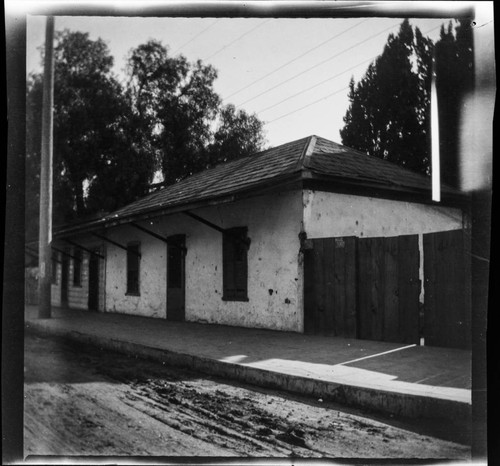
(447, 292)
(369, 288)
(363, 288)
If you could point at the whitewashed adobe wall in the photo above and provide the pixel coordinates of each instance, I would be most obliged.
(274, 270)
(331, 214)
(274, 273)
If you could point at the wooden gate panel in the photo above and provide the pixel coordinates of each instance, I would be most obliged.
(344, 286)
(447, 290)
(365, 275)
(391, 290)
(329, 287)
(388, 289)
(370, 288)
(409, 289)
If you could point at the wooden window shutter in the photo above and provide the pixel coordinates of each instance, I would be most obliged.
(235, 264)
(133, 261)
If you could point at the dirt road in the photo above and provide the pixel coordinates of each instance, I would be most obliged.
(83, 401)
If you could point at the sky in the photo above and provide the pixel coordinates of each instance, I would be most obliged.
(292, 72)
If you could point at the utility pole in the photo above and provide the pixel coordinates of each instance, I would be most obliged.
(45, 232)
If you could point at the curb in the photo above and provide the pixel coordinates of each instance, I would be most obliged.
(384, 402)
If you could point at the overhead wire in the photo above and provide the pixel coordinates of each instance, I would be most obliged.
(237, 39)
(326, 96)
(318, 84)
(295, 59)
(307, 105)
(316, 65)
(196, 36)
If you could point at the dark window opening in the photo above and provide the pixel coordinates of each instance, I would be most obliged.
(235, 264)
(77, 267)
(133, 262)
(175, 262)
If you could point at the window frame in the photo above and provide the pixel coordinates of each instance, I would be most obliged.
(133, 258)
(231, 249)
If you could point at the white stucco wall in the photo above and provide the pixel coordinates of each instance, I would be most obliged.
(152, 273)
(331, 214)
(274, 275)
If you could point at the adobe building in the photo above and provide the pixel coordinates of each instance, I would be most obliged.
(309, 236)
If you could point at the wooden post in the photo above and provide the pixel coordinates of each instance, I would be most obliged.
(45, 232)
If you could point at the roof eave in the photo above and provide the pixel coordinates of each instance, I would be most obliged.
(373, 189)
(285, 182)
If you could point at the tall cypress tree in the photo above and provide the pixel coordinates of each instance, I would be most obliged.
(387, 116)
(454, 78)
(389, 112)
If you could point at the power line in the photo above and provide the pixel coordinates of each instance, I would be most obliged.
(326, 96)
(196, 36)
(237, 39)
(308, 105)
(294, 59)
(316, 65)
(330, 78)
(318, 84)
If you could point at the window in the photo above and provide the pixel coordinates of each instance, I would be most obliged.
(77, 267)
(133, 262)
(235, 264)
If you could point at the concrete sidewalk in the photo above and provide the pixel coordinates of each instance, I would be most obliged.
(405, 380)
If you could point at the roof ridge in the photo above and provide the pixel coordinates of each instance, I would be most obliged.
(305, 156)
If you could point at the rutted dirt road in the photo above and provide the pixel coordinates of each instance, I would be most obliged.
(83, 401)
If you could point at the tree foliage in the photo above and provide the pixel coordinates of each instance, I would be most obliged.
(186, 124)
(111, 138)
(454, 78)
(389, 111)
(237, 134)
(389, 107)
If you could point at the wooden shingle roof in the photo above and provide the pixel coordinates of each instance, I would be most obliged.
(311, 158)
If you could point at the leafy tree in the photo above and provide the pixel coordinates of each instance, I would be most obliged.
(238, 134)
(389, 107)
(454, 78)
(182, 114)
(110, 139)
(99, 159)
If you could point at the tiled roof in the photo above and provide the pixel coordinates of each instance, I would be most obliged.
(224, 179)
(316, 155)
(332, 159)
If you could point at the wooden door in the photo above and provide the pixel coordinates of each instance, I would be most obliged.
(176, 248)
(329, 287)
(93, 282)
(447, 290)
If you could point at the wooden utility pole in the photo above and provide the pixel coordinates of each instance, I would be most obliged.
(45, 232)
